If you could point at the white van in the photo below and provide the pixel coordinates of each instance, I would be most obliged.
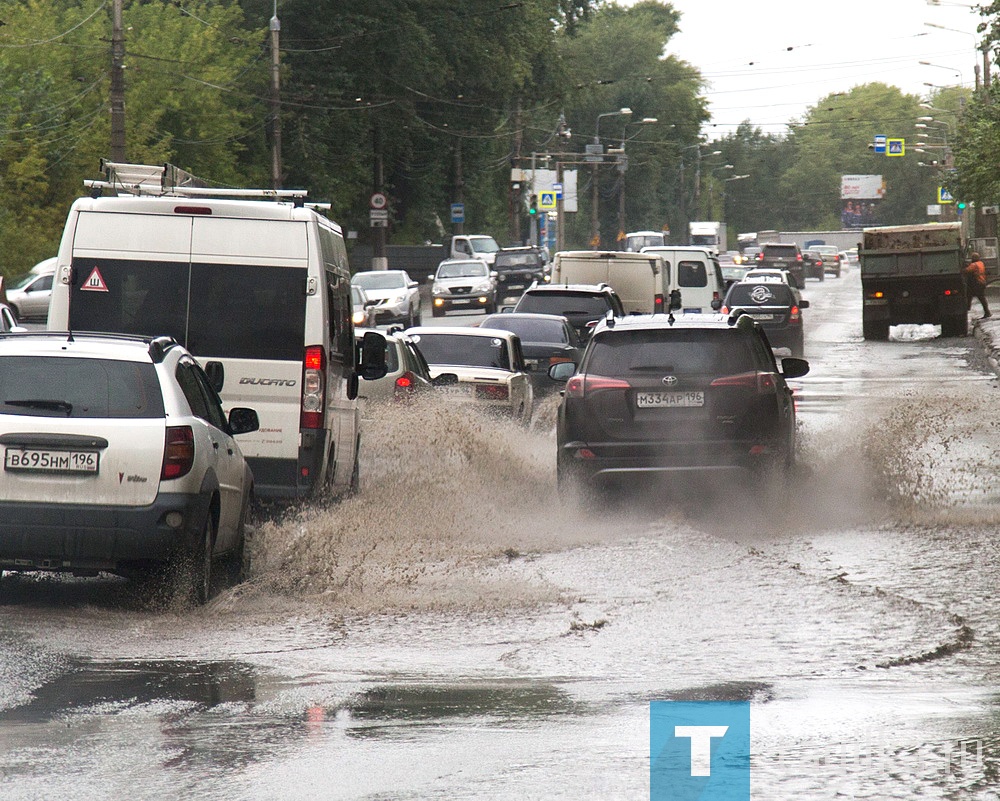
(637, 278)
(694, 272)
(258, 290)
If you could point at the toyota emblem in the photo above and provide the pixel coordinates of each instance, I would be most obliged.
(669, 380)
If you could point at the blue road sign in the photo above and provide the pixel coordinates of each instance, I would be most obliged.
(880, 140)
(458, 212)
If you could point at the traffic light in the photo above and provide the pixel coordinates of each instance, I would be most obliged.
(533, 208)
(960, 207)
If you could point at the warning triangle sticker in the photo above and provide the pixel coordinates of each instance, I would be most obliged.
(94, 282)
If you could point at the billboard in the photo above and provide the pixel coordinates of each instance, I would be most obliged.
(862, 187)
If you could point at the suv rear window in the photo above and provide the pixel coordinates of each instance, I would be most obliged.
(677, 352)
(46, 386)
(743, 295)
(567, 304)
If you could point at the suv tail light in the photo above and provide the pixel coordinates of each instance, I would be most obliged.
(313, 387)
(178, 452)
(579, 385)
(763, 383)
(794, 315)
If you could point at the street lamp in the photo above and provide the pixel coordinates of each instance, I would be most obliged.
(595, 228)
(943, 67)
(622, 167)
(724, 182)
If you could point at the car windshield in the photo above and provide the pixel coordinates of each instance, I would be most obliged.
(377, 280)
(464, 351)
(46, 386)
(529, 329)
(484, 245)
(566, 304)
(670, 351)
(462, 269)
(356, 297)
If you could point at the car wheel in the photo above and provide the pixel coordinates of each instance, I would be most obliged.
(195, 567)
(240, 558)
(437, 311)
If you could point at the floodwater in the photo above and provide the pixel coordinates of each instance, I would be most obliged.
(456, 631)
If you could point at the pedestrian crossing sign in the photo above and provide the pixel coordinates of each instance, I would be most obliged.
(546, 200)
(895, 147)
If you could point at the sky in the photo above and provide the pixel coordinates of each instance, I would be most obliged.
(769, 60)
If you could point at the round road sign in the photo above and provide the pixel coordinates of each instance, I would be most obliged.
(378, 201)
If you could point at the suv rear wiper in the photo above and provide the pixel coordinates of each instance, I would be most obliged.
(48, 405)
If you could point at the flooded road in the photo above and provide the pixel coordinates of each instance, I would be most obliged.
(455, 631)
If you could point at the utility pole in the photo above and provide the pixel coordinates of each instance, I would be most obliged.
(380, 255)
(275, 99)
(459, 183)
(117, 83)
(516, 187)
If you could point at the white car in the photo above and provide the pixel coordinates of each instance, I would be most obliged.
(362, 308)
(487, 363)
(117, 457)
(407, 373)
(396, 295)
(29, 298)
(463, 285)
(764, 272)
(7, 320)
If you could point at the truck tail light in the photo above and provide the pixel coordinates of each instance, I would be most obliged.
(178, 452)
(313, 387)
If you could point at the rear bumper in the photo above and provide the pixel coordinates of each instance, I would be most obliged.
(74, 537)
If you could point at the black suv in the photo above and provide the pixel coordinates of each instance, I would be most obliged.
(582, 304)
(694, 393)
(517, 269)
(783, 256)
(775, 305)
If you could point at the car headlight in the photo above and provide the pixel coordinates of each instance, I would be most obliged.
(397, 299)
(483, 286)
(437, 289)
(358, 317)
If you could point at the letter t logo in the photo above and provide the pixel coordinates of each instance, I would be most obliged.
(701, 746)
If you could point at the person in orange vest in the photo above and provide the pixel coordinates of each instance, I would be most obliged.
(975, 283)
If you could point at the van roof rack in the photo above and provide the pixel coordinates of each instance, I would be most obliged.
(168, 180)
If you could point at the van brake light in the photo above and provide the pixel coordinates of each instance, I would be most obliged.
(313, 387)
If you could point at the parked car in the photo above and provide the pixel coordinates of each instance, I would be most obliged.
(362, 308)
(463, 284)
(775, 305)
(118, 458)
(831, 258)
(546, 339)
(29, 298)
(487, 363)
(518, 268)
(692, 394)
(582, 304)
(7, 320)
(783, 256)
(408, 373)
(396, 295)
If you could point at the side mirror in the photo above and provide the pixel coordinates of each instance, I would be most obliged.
(373, 363)
(430, 278)
(803, 304)
(243, 421)
(562, 371)
(445, 380)
(216, 375)
(794, 368)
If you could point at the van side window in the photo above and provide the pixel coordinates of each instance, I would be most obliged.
(692, 273)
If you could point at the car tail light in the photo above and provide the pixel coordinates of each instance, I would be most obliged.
(492, 392)
(405, 385)
(798, 257)
(948, 292)
(579, 385)
(178, 452)
(313, 387)
(836, 259)
(794, 315)
(657, 304)
(724, 310)
(760, 256)
(763, 383)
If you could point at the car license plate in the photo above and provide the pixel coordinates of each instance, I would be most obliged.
(656, 400)
(45, 461)
(461, 301)
(762, 316)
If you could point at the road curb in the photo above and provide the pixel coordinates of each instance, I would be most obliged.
(988, 333)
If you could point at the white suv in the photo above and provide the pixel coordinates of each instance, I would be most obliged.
(117, 457)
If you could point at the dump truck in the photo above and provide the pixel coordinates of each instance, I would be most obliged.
(913, 274)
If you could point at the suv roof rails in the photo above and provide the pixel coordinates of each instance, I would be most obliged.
(167, 180)
(157, 346)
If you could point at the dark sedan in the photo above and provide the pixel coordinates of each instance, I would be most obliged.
(546, 339)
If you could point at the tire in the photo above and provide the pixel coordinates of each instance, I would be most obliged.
(875, 330)
(355, 485)
(491, 308)
(195, 579)
(437, 311)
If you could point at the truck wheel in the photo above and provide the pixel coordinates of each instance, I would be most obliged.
(875, 330)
